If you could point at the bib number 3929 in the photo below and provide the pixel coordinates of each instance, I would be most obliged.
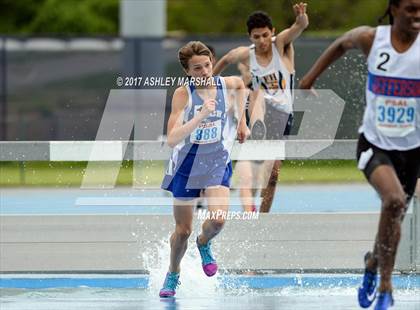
(395, 117)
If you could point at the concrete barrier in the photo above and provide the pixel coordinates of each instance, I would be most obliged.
(315, 242)
(155, 150)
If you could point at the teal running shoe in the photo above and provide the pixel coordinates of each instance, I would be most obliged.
(170, 285)
(207, 261)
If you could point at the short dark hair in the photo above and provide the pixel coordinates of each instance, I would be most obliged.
(388, 11)
(259, 19)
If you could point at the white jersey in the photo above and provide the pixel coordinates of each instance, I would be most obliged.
(392, 116)
(274, 79)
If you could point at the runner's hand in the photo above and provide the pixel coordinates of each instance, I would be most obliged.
(243, 133)
(208, 107)
(301, 16)
(307, 88)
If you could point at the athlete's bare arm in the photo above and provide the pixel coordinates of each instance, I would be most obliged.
(177, 131)
(287, 36)
(245, 73)
(235, 83)
(289, 57)
(234, 56)
(358, 38)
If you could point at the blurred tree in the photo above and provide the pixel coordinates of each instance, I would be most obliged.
(81, 17)
(15, 15)
(229, 16)
(59, 17)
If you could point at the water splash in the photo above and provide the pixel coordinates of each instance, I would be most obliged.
(194, 283)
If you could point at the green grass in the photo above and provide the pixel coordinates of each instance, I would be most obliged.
(149, 173)
(321, 171)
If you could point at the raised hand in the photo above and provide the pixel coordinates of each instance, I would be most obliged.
(301, 16)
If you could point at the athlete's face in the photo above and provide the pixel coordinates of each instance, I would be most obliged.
(407, 15)
(261, 37)
(200, 66)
